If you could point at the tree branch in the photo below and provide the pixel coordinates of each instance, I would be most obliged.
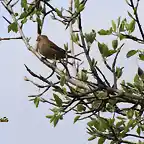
(136, 16)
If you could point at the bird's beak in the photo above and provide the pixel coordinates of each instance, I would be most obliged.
(38, 37)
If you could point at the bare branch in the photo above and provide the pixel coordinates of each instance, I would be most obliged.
(71, 42)
(6, 20)
(106, 81)
(137, 17)
(113, 66)
(9, 2)
(14, 3)
(87, 55)
(10, 38)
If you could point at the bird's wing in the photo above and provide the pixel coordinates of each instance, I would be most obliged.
(55, 47)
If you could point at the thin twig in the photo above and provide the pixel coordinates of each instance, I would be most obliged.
(35, 75)
(46, 101)
(87, 55)
(133, 135)
(71, 41)
(113, 66)
(106, 81)
(14, 3)
(9, 2)
(107, 65)
(6, 20)
(137, 17)
(39, 86)
(10, 38)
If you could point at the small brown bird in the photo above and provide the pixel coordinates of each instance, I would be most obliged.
(50, 50)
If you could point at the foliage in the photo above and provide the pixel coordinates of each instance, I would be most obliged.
(89, 94)
(4, 119)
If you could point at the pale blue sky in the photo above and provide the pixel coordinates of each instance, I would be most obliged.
(26, 123)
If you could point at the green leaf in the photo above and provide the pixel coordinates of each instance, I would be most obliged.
(130, 15)
(93, 62)
(142, 127)
(49, 116)
(121, 36)
(131, 53)
(59, 13)
(13, 27)
(138, 130)
(92, 138)
(84, 76)
(113, 26)
(24, 14)
(103, 48)
(91, 123)
(76, 3)
(111, 121)
(16, 14)
(74, 37)
(132, 123)
(136, 79)
(24, 4)
(105, 32)
(141, 56)
(110, 52)
(103, 124)
(36, 101)
(24, 21)
(62, 80)
(58, 89)
(140, 72)
(76, 118)
(66, 46)
(39, 21)
(119, 124)
(52, 118)
(130, 113)
(80, 108)
(55, 110)
(122, 25)
(112, 142)
(122, 134)
(121, 118)
(55, 121)
(97, 124)
(127, 2)
(101, 140)
(130, 85)
(81, 7)
(114, 44)
(58, 100)
(127, 26)
(119, 20)
(132, 26)
(90, 37)
(135, 10)
(119, 72)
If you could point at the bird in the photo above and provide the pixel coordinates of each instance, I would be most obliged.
(50, 50)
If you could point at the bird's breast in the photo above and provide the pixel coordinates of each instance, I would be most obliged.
(49, 52)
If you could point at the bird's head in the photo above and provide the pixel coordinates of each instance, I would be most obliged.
(41, 37)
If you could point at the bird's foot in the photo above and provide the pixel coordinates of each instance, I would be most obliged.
(54, 63)
(43, 58)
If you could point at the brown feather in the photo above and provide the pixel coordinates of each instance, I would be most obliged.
(49, 49)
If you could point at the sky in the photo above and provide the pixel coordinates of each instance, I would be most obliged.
(28, 124)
